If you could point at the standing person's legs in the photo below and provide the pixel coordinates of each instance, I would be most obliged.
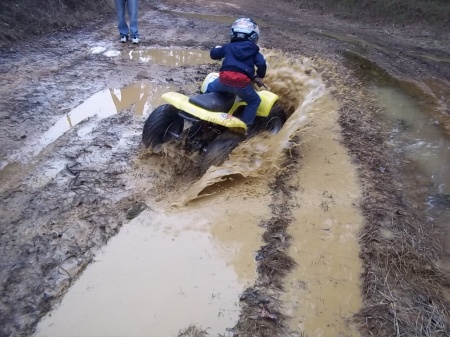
(133, 13)
(122, 23)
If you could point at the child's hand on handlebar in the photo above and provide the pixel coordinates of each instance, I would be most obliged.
(259, 81)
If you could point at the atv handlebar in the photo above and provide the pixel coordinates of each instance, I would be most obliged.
(259, 82)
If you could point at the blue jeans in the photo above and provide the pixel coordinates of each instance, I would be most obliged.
(247, 94)
(132, 6)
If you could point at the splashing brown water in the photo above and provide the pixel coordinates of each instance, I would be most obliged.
(300, 88)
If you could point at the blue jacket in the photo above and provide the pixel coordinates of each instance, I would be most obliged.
(242, 57)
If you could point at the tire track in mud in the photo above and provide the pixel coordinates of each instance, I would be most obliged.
(261, 309)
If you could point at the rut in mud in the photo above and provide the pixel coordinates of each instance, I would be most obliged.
(73, 176)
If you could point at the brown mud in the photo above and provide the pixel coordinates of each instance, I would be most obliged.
(69, 184)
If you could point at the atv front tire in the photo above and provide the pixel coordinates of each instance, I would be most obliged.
(216, 152)
(163, 124)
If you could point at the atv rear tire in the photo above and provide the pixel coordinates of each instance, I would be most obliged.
(161, 126)
(275, 120)
(216, 152)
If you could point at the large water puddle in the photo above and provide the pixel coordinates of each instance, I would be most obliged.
(324, 290)
(416, 134)
(167, 271)
(142, 97)
(169, 57)
(425, 144)
(187, 265)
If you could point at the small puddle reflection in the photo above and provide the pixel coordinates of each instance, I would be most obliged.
(141, 96)
(164, 57)
(169, 57)
(161, 274)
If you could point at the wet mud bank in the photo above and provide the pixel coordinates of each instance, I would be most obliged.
(403, 286)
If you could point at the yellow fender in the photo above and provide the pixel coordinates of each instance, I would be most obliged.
(268, 99)
(225, 118)
(181, 102)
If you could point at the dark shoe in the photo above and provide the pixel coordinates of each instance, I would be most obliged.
(123, 38)
(250, 132)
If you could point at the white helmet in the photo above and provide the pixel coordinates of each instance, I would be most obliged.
(244, 29)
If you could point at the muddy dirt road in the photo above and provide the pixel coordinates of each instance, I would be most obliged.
(338, 225)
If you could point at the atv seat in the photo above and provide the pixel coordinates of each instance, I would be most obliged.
(214, 101)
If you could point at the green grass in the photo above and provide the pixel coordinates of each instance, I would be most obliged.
(431, 12)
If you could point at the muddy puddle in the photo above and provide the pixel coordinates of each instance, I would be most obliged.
(170, 58)
(416, 134)
(141, 97)
(323, 292)
(185, 260)
(420, 138)
(159, 56)
(166, 271)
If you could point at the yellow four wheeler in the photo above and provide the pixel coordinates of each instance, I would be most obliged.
(209, 123)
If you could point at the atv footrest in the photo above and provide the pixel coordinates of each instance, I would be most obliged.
(187, 116)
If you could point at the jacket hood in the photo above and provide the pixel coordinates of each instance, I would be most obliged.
(243, 50)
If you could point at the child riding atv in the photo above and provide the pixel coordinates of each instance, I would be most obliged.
(240, 57)
(214, 122)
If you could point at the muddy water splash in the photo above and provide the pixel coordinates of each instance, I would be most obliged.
(300, 88)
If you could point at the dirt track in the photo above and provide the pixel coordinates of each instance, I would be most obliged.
(64, 197)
